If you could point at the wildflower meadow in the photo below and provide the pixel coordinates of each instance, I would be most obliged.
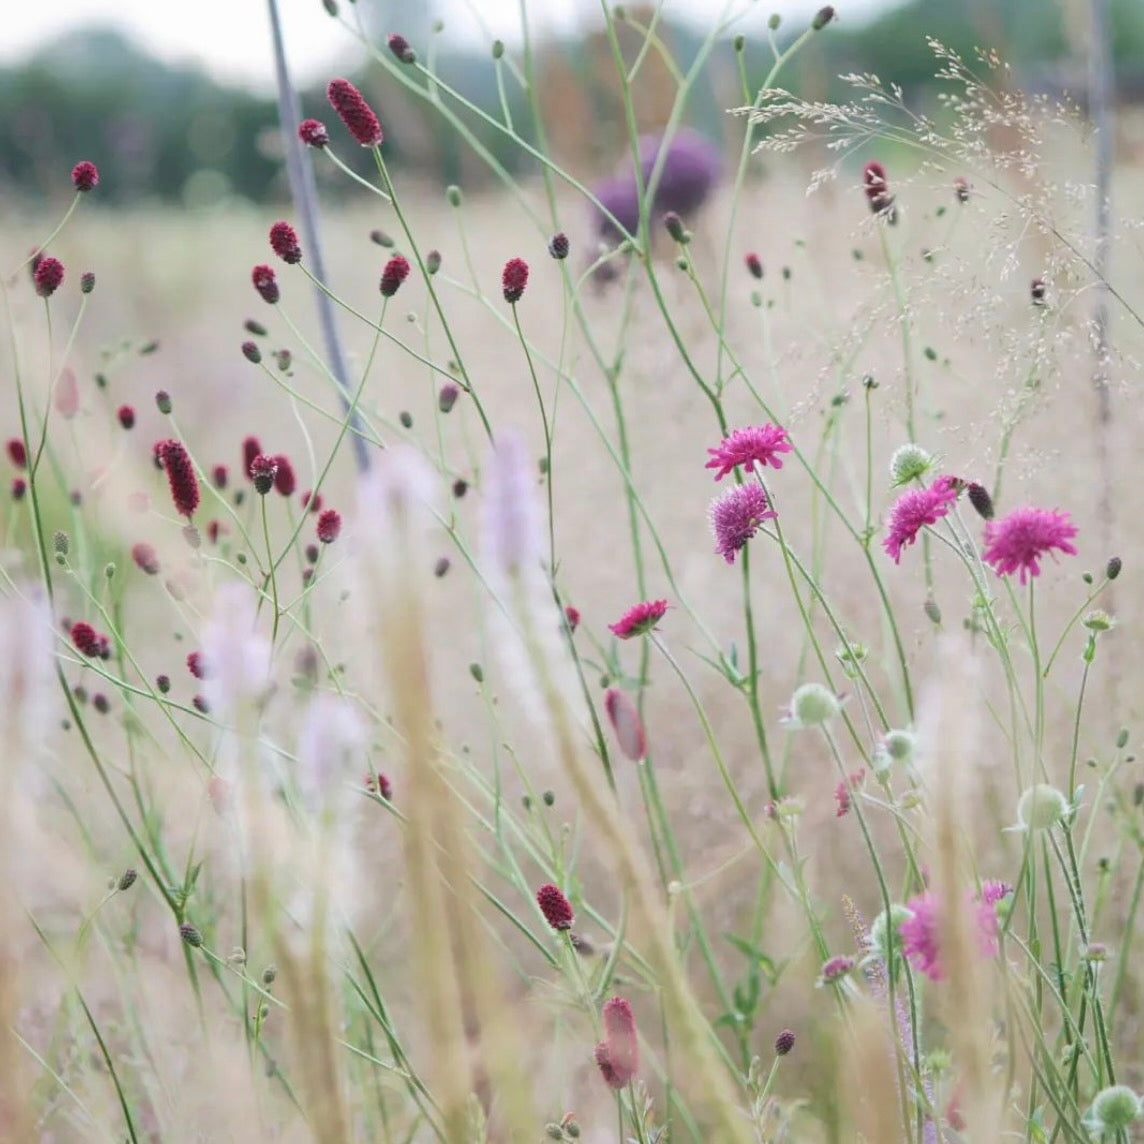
(629, 659)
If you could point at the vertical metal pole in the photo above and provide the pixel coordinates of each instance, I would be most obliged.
(304, 192)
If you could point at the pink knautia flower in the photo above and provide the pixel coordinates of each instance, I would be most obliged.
(754, 445)
(915, 509)
(284, 242)
(639, 619)
(735, 516)
(354, 112)
(313, 133)
(266, 283)
(85, 176)
(626, 723)
(920, 930)
(1018, 541)
(395, 272)
(555, 907)
(835, 969)
(48, 275)
(514, 278)
(180, 476)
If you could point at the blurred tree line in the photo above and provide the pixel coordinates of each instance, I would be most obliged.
(174, 135)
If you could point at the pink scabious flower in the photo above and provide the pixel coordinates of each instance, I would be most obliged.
(313, 133)
(85, 176)
(735, 516)
(618, 1054)
(266, 283)
(754, 445)
(919, 931)
(284, 242)
(1018, 541)
(395, 272)
(514, 278)
(639, 619)
(354, 112)
(915, 509)
(555, 907)
(48, 275)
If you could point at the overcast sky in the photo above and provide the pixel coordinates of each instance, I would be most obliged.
(229, 37)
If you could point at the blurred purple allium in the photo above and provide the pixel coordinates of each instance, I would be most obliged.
(691, 169)
(354, 112)
(736, 515)
(1018, 541)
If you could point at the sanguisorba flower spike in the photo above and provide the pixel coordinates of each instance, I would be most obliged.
(354, 112)
(754, 445)
(180, 476)
(1017, 542)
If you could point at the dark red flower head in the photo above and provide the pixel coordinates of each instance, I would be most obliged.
(354, 112)
(329, 525)
(196, 666)
(555, 907)
(754, 265)
(312, 500)
(284, 242)
(180, 476)
(399, 46)
(559, 246)
(876, 187)
(126, 415)
(313, 133)
(284, 480)
(85, 176)
(263, 470)
(17, 454)
(146, 558)
(395, 272)
(514, 279)
(266, 283)
(250, 449)
(48, 276)
(85, 638)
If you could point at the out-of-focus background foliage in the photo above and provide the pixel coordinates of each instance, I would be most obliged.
(176, 135)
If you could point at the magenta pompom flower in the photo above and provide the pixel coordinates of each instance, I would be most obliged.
(514, 278)
(920, 931)
(1018, 541)
(85, 176)
(754, 445)
(639, 619)
(284, 242)
(313, 133)
(354, 112)
(915, 509)
(47, 276)
(735, 516)
(555, 907)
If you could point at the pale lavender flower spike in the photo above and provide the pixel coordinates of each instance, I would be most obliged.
(691, 171)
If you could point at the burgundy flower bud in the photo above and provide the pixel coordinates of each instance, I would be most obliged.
(460, 487)
(284, 480)
(255, 328)
(514, 278)
(329, 525)
(822, 17)
(284, 358)
(980, 499)
(1112, 569)
(432, 262)
(126, 415)
(266, 283)
(250, 449)
(86, 282)
(263, 470)
(354, 112)
(19, 488)
(673, 224)
(200, 704)
(784, 1042)
(447, 397)
(163, 402)
(379, 238)
(555, 907)
(251, 352)
(48, 276)
(146, 558)
(284, 242)
(379, 784)
(559, 246)
(163, 683)
(190, 935)
(86, 640)
(17, 454)
(313, 133)
(180, 476)
(399, 46)
(312, 500)
(312, 553)
(877, 188)
(572, 617)
(219, 476)
(441, 566)
(85, 176)
(101, 703)
(196, 666)
(754, 265)
(395, 272)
